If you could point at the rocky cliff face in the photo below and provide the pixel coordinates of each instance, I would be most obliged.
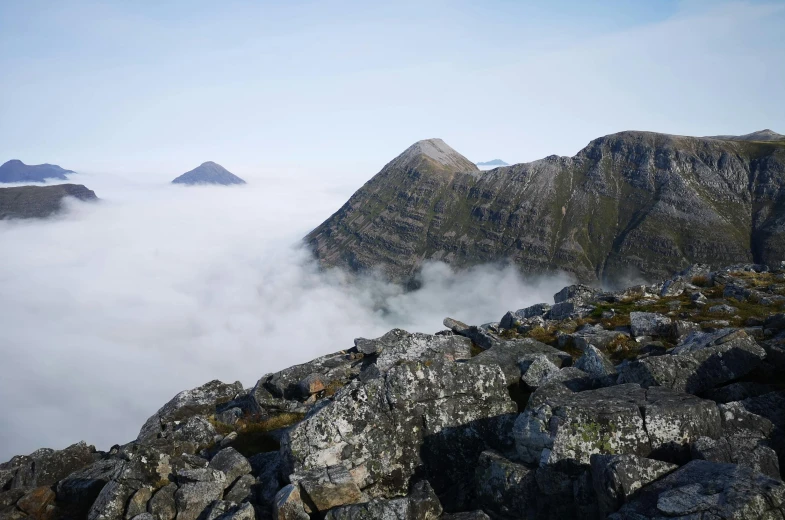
(208, 173)
(627, 204)
(17, 171)
(39, 201)
(659, 401)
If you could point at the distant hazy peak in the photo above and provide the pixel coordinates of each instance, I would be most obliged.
(432, 154)
(208, 173)
(494, 162)
(760, 135)
(17, 171)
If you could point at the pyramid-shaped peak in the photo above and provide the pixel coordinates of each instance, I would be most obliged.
(432, 154)
(208, 173)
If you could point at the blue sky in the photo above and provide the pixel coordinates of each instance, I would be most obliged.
(158, 87)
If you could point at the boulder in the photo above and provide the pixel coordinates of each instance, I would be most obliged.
(110, 503)
(478, 336)
(198, 401)
(437, 417)
(162, 505)
(506, 355)
(577, 293)
(650, 324)
(285, 384)
(536, 368)
(505, 488)
(703, 489)
(45, 467)
(328, 487)
(137, 505)
(595, 335)
(231, 463)
(594, 363)
(38, 502)
(745, 449)
(616, 477)
(422, 347)
(192, 498)
(674, 372)
(420, 504)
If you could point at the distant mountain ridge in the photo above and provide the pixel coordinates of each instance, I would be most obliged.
(17, 171)
(209, 173)
(494, 162)
(629, 204)
(39, 201)
(760, 135)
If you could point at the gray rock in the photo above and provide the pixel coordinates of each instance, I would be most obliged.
(535, 368)
(144, 516)
(578, 293)
(595, 335)
(673, 420)
(243, 511)
(284, 384)
(673, 287)
(421, 347)
(573, 378)
(466, 515)
(616, 477)
(505, 488)
(192, 498)
(743, 448)
(231, 463)
(45, 467)
(242, 490)
(162, 506)
(189, 475)
(723, 309)
(137, 505)
(575, 426)
(416, 415)
(514, 319)
(506, 355)
(650, 324)
(594, 363)
(479, 337)
(110, 504)
(703, 489)
(188, 403)
(738, 391)
(421, 504)
(80, 489)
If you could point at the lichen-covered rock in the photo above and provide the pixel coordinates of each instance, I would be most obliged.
(576, 426)
(703, 490)
(138, 502)
(399, 346)
(477, 335)
(616, 477)
(595, 335)
(242, 490)
(45, 467)
(231, 463)
(162, 505)
(505, 488)
(110, 504)
(382, 430)
(507, 354)
(328, 488)
(674, 419)
(674, 372)
(650, 324)
(420, 504)
(192, 498)
(535, 368)
(594, 362)
(745, 449)
(198, 401)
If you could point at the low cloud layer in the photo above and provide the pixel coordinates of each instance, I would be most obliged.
(110, 309)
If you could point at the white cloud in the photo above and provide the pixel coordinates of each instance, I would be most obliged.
(110, 309)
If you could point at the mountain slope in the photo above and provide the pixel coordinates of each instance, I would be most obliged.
(760, 135)
(208, 173)
(17, 171)
(39, 201)
(632, 203)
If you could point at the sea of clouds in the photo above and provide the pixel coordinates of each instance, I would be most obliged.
(111, 308)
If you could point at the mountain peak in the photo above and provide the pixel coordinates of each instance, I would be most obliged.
(761, 135)
(208, 173)
(17, 171)
(432, 155)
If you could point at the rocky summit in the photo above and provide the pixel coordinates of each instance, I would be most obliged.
(39, 201)
(17, 171)
(632, 204)
(208, 173)
(656, 401)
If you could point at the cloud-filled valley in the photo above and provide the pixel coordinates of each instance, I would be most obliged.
(109, 309)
